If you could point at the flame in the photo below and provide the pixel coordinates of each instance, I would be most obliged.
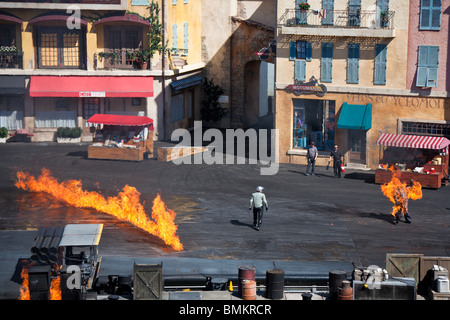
(389, 189)
(55, 289)
(125, 206)
(24, 289)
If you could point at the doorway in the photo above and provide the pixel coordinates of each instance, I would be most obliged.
(91, 106)
(357, 143)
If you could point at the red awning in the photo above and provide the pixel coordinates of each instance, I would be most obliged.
(121, 120)
(57, 17)
(128, 17)
(410, 141)
(91, 86)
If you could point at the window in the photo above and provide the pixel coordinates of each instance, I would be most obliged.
(7, 35)
(354, 12)
(60, 48)
(174, 38)
(186, 38)
(353, 63)
(300, 50)
(427, 66)
(120, 40)
(430, 14)
(313, 121)
(379, 74)
(326, 65)
(426, 129)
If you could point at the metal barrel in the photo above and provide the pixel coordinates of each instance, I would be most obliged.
(249, 289)
(335, 278)
(274, 284)
(48, 236)
(345, 291)
(245, 273)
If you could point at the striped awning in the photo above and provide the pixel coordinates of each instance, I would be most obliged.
(410, 141)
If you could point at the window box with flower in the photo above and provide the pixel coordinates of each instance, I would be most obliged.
(304, 6)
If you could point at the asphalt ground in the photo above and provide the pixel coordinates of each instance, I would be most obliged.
(316, 222)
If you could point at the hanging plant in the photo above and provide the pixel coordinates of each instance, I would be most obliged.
(304, 6)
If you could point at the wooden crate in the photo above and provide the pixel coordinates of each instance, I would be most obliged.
(172, 153)
(433, 295)
(432, 180)
(115, 153)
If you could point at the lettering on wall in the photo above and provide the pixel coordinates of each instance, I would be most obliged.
(402, 102)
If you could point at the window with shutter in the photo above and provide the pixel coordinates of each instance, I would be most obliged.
(430, 14)
(427, 66)
(174, 38)
(353, 63)
(186, 38)
(326, 66)
(328, 7)
(379, 76)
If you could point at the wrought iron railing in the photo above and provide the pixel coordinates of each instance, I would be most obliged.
(11, 59)
(117, 58)
(337, 19)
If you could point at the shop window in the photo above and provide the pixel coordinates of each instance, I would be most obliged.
(313, 122)
(60, 48)
(430, 14)
(91, 106)
(426, 129)
(427, 66)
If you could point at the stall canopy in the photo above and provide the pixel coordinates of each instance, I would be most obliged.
(410, 141)
(355, 116)
(91, 86)
(121, 120)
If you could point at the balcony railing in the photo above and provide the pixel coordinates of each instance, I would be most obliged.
(11, 59)
(337, 19)
(116, 59)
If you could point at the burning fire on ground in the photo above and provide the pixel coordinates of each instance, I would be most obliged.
(125, 206)
(389, 189)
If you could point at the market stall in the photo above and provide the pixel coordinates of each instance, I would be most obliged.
(421, 158)
(121, 137)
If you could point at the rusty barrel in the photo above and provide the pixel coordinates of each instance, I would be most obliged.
(245, 273)
(249, 289)
(335, 278)
(274, 284)
(345, 291)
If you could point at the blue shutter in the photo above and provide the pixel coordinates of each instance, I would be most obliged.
(174, 37)
(430, 14)
(308, 55)
(185, 1)
(174, 2)
(328, 6)
(326, 67)
(379, 76)
(186, 38)
(353, 63)
(354, 15)
(300, 70)
(427, 66)
(292, 50)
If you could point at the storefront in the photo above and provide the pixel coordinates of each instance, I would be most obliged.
(12, 102)
(421, 158)
(69, 101)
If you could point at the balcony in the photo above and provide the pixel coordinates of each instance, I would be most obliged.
(338, 23)
(118, 59)
(10, 58)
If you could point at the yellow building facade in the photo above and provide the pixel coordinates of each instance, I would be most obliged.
(96, 39)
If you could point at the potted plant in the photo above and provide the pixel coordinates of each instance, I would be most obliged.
(142, 56)
(3, 134)
(68, 135)
(304, 6)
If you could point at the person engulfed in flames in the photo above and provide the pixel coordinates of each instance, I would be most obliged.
(399, 193)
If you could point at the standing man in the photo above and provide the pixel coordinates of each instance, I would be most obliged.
(257, 202)
(401, 202)
(336, 156)
(311, 156)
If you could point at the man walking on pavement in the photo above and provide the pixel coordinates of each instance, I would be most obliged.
(311, 158)
(336, 156)
(257, 202)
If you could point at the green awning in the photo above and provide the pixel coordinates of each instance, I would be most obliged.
(355, 116)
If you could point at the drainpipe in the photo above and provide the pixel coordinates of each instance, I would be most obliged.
(163, 67)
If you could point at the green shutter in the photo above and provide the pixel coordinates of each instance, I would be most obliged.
(379, 76)
(186, 38)
(174, 37)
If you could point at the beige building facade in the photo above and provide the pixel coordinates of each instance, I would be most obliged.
(341, 69)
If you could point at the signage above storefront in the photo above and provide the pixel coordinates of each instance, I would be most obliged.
(311, 87)
(96, 94)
